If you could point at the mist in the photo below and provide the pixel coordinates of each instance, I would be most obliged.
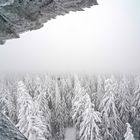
(100, 39)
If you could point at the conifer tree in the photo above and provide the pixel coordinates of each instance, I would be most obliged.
(59, 114)
(111, 120)
(89, 129)
(136, 107)
(29, 119)
(25, 109)
(78, 103)
(124, 100)
(128, 135)
(38, 86)
(100, 87)
(44, 113)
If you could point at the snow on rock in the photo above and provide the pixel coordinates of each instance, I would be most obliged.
(18, 16)
(6, 2)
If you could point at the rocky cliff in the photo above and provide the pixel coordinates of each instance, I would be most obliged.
(18, 16)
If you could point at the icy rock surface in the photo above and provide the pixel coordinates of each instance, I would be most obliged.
(6, 2)
(18, 16)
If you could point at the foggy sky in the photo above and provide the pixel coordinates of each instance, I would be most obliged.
(102, 38)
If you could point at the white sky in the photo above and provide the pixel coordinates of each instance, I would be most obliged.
(102, 38)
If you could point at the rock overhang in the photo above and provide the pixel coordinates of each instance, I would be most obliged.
(18, 16)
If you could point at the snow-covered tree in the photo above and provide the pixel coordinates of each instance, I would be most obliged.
(49, 87)
(29, 119)
(59, 114)
(25, 109)
(37, 128)
(78, 103)
(42, 104)
(66, 100)
(124, 100)
(111, 121)
(99, 92)
(136, 96)
(57, 95)
(89, 129)
(42, 109)
(136, 107)
(3, 98)
(129, 135)
(30, 84)
(38, 86)
(100, 87)
(8, 101)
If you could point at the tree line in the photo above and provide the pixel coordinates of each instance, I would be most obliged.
(99, 107)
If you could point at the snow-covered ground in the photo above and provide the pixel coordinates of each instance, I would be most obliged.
(70, 134)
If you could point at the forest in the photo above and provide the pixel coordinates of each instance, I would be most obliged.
(98, 107)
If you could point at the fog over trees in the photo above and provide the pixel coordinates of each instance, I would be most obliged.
(96, 107)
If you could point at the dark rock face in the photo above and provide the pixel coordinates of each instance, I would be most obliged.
(8, 131)
(18, 16)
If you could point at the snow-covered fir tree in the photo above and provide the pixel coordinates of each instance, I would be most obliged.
(66, 101)
(78, 103)
(37, 127)
(29, 121)
(29, 82)
(59, 114)
(6, 105)
(44, 113)
(124, 100)
(25, 109)
(100, 87)
(136, 107)
(136, 95)
(89, 129)
(111, 121)
(57, 95)
(128, 135)
(38, 86)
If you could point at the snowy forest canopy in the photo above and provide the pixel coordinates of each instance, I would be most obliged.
(98, 107)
